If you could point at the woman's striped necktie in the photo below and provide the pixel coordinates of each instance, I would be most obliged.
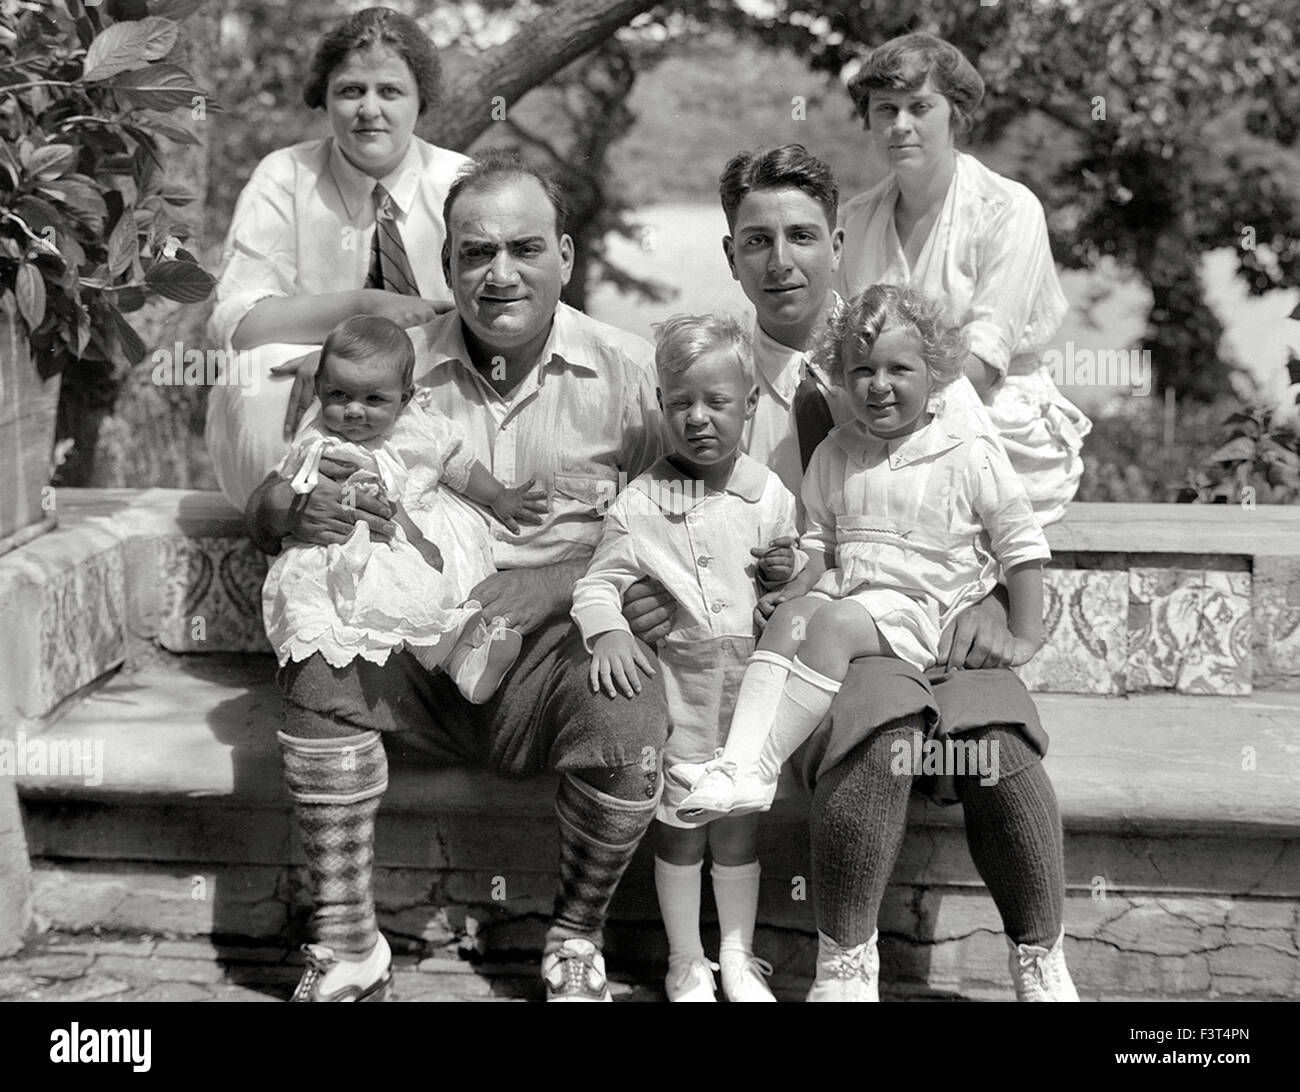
(389, 267)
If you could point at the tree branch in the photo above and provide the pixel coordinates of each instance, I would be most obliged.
(532, 55)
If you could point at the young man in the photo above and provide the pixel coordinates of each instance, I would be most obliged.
(784, 249)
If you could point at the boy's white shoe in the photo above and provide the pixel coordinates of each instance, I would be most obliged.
(1040, 974)
(691, 980)
(743, 976)
(846, 974)
(726, 790)
(481, 659)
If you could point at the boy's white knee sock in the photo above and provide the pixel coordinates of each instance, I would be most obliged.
(756, 703)
(805, 701)
(678, 887)
(735, 890)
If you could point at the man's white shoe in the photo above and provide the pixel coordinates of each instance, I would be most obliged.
(1040, 974)
(846, 974)
(743, 976)
(691, 980)
(575, 971)
(329, 978)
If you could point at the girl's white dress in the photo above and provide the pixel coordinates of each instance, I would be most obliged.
(988, 257)
(368, 598)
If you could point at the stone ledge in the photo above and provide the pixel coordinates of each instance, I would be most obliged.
(203, 729)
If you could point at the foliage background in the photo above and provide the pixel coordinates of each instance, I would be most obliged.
(643, 119)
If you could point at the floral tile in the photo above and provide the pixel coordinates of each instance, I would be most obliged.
(1189, 630)
(82, 633)
(1085, 633)
(212, 595)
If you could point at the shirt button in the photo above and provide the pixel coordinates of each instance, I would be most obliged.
(703, 561)
(718, 604)
(726, 646)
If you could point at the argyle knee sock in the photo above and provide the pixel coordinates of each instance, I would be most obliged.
(859, 815)
(336, 786)
(756, 702)
(678, 888)
(735, 891)
(1013, 829)
(599, 834)
(805, 701)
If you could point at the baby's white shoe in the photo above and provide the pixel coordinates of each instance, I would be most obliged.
(481, 659)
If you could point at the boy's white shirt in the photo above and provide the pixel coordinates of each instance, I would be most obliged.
(696, 541)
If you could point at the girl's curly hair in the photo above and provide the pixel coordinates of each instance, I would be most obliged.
(859, 323)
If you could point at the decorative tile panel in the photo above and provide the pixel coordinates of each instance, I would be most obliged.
(1085, 633)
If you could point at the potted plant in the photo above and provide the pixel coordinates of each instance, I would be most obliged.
(87, 228)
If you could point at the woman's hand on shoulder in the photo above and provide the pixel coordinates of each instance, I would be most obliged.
(406, 311)
(303, 369)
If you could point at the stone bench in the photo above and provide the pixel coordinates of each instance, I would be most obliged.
(1179, 799)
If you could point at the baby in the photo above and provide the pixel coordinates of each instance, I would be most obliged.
(708, 522)
(369, 598)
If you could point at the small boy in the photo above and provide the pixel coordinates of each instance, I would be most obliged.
(714, 527)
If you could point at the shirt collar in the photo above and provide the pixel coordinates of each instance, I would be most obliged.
(674, 494)
(442, 341)
(861, 446)
(780, 366)
(355, 185)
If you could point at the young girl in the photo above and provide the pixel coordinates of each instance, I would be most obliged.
(908, 522)
(707, 521)
(367, 598)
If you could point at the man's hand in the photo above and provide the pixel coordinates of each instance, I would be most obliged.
(303, 369)
(775, 561)
(978, 637)
(526, 598)
(327, 515)
(522, 504)
(615, 658)
(649, 610)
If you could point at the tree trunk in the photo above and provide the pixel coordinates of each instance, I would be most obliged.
(502, 75)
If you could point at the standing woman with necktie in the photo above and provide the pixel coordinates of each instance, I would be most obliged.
(942, 222)
(343, 225)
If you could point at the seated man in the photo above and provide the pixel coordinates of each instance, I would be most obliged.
(543, 392)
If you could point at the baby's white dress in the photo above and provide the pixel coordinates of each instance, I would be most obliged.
(365, 597)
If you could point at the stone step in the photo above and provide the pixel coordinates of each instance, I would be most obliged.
(1182, 821)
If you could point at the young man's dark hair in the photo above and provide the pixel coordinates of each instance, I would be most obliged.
(790, 166)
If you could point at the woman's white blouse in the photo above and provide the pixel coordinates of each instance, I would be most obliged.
(303, 226)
